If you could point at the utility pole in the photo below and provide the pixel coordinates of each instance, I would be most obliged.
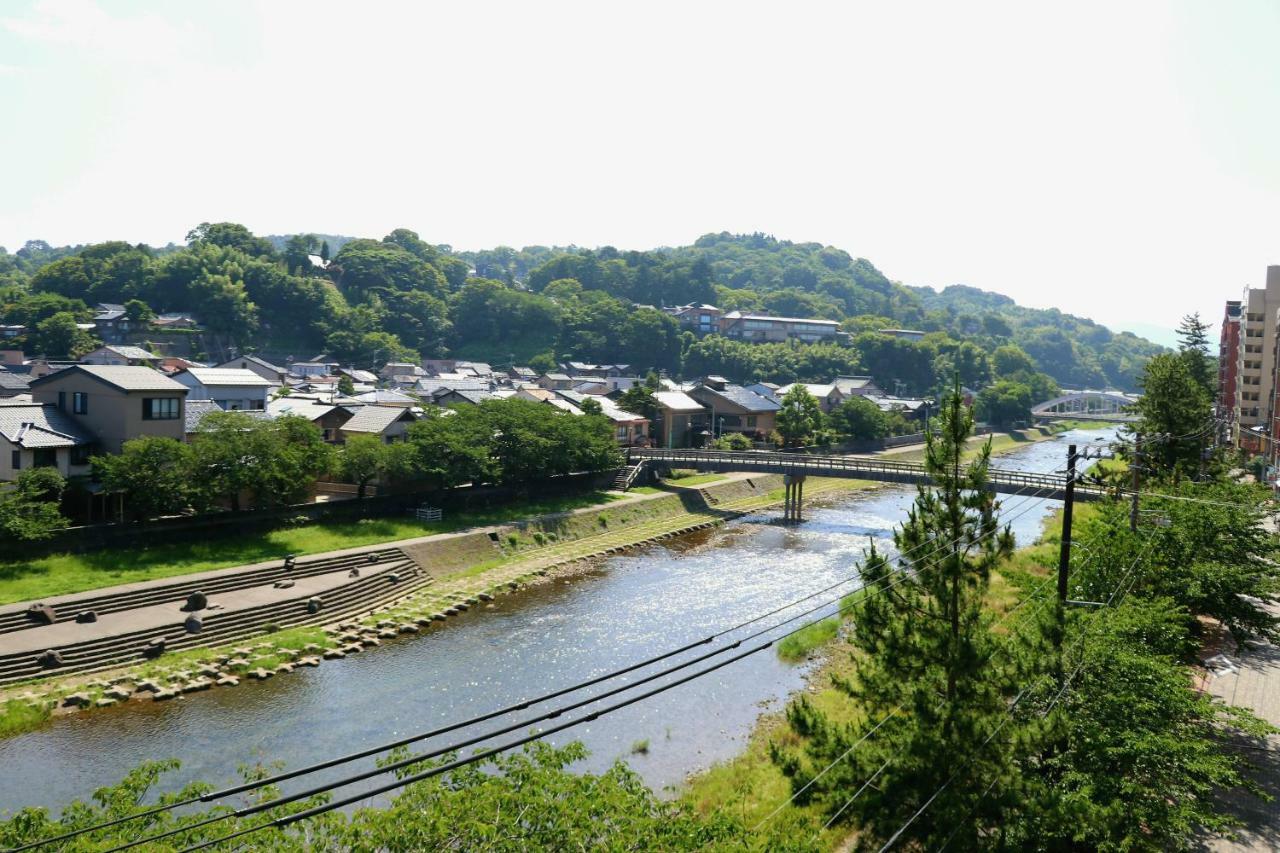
(1136, 470)
(1064, 554)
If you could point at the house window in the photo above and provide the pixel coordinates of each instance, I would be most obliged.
(80, 454)
(751, 421)
(62, 401)
(79, 402)
(256, 405)
(15, 460)
(45, 457)
(160, 409)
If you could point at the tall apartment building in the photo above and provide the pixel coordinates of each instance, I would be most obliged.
(1256, 365)
(1228, 359)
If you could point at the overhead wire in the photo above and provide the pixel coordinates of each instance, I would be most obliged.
(284, 776)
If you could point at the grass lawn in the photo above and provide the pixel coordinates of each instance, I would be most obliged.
(59, 574)
(696, 479)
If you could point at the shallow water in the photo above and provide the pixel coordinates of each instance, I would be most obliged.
(632, 607)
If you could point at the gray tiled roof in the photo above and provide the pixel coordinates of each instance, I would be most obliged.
(740, 396)
(40, 426)
(373, 419)
(124, 377)
(131, 352)
(235, 377)
(12, 381)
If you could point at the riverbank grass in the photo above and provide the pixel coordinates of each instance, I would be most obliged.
(61, 574)
(18, 716)
(797, 646)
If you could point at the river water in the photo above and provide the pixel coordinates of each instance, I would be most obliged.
(632, 607)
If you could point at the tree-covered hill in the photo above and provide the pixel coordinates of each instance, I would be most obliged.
(399, 296)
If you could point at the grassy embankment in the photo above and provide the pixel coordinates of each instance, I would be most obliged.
(752, 785)
(59, 574)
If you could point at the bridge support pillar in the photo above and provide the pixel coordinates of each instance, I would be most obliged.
(793, 498)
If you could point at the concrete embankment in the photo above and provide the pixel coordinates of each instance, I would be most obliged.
(468, 569)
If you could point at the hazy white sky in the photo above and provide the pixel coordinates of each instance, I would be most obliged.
(1113, 159)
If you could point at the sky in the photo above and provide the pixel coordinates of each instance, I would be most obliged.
(1114, 160)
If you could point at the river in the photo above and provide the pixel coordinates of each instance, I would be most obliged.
(521, 645)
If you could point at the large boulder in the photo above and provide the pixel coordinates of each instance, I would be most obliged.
(86, 617)
(314, 605)
(51, 658)
(42, 613)
(193, 624)
(196, 601)
(154, 648)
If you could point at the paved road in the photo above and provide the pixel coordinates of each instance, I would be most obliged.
(1252, 679)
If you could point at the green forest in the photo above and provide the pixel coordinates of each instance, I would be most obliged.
(397, 297)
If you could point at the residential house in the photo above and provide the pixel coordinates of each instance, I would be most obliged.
(762, 328)
(388, 398)
(389, 423)
(525, 374)
(828, 396)
(274, 374)
(701, 318)
(681, 420)
(171, 364)
(400, 368)
(121, 354)
(311, 369)
(630, 430)
(433, 385)
(556, 381)
(328, 417)
(596, 371)
(12, 384)
(110, 322)
(176, 320)
(231, 388)
(458, 397)
(735, 409)
(857, 386)
(359, 377)
(115, 403)
(537, 395)
(12, 330)
(198, 410)
(40, 436)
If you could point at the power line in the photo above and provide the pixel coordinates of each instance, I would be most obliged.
(493, 714)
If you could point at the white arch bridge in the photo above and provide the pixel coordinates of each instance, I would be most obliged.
(1111, 406)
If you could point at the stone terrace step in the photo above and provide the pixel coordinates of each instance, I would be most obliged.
(361, 595)
(14, 617)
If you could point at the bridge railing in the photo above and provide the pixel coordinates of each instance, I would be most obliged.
(787, 462)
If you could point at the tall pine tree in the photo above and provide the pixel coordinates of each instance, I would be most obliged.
(1193, 346)
(925, 653)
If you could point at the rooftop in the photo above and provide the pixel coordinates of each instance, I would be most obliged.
(124, 377)
(34, 425)
(226, 376)
(374, 419)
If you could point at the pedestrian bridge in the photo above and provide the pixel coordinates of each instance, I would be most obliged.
(1110, 406)
(799, 465)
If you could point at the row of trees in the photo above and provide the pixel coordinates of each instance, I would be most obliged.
(237, 461)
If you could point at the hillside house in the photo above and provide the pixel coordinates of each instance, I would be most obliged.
(390, 424)
(762, 328)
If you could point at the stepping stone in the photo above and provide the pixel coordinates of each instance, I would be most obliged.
(210, 671)
(242, 652)
(384, 623)
(238, 663)
(484, 596)
(313, 648)
(75, 700)
(438, 617)
(118, 693)
(162, 695)
(425, 620)
(197, 685)
(387, 634)
(370, 642)
(473, 601)
(261, 674)
(461, 606)
(105, 703)
(308, 661)
(451, 611)
(353, 648)
(227, 681)
(408, 628)
(284, 667)
(42, 613)
(180, 675)
(146, 685)
(334, 654)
